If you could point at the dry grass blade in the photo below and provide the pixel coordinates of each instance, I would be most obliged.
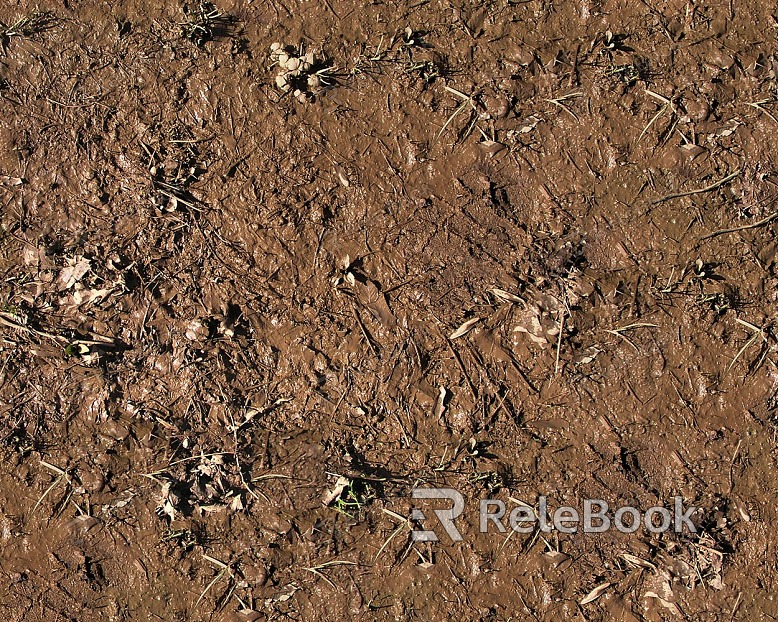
(316, 570)
(35, 22)
(388, 540)
(61, 475)
(450, 119)
(458, 93)
(209, 586)
(619, 331)
(52, 467)
(662, 110)
(270, 476)
(321, 576)
(404, 524)
(637, 561)
(658, 97)
(507, 296)
(468, 101)
(666, 105)
(559, 101)
(48, 490)
(634, 325)
(334, 562)
(559, 342)
(760, 107)
(758, 332)
(215, 561)
(224, 570)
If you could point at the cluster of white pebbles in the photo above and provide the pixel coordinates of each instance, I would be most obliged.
(296, 72)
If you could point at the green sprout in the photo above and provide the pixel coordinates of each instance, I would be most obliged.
(354, 499)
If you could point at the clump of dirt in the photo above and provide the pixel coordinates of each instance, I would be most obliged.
(254, 293)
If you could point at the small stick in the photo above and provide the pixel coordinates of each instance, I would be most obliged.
(634, 305)
(462, 368)
(329, 6)
(732, 466)
(714, 186)
(365, 334)
(739, 598)
(574, 71)
(559, 343)
(753, 225)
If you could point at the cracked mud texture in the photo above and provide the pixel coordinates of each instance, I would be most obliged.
(219, 298)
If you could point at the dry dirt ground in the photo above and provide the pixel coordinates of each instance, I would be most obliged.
(517, 248)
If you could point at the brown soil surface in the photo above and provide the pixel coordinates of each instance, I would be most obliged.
(218, 298)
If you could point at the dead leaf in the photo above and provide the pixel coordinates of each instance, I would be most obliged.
(440, 404)
(196, 331)
(530, 123)
(587, 356)
(672, 607)
(692, 150)
(637, 561)
(282, 598)
(83, 524)
(727, 131)
(556, 559)
(595, 593)
(374, 301)
(73, 272)
(247, 615)
(465, 328)
(492, 147)
(12, 181)
(342, 178)
(507, 296)
(83, 296)
(340, 485)
(32, 256)
(475, 23)
(534, 331)
(236, 503)
(167, 507)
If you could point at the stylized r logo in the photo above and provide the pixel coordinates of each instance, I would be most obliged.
(446, 517)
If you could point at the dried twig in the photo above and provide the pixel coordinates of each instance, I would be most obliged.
(753, 225)
(714, 186)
